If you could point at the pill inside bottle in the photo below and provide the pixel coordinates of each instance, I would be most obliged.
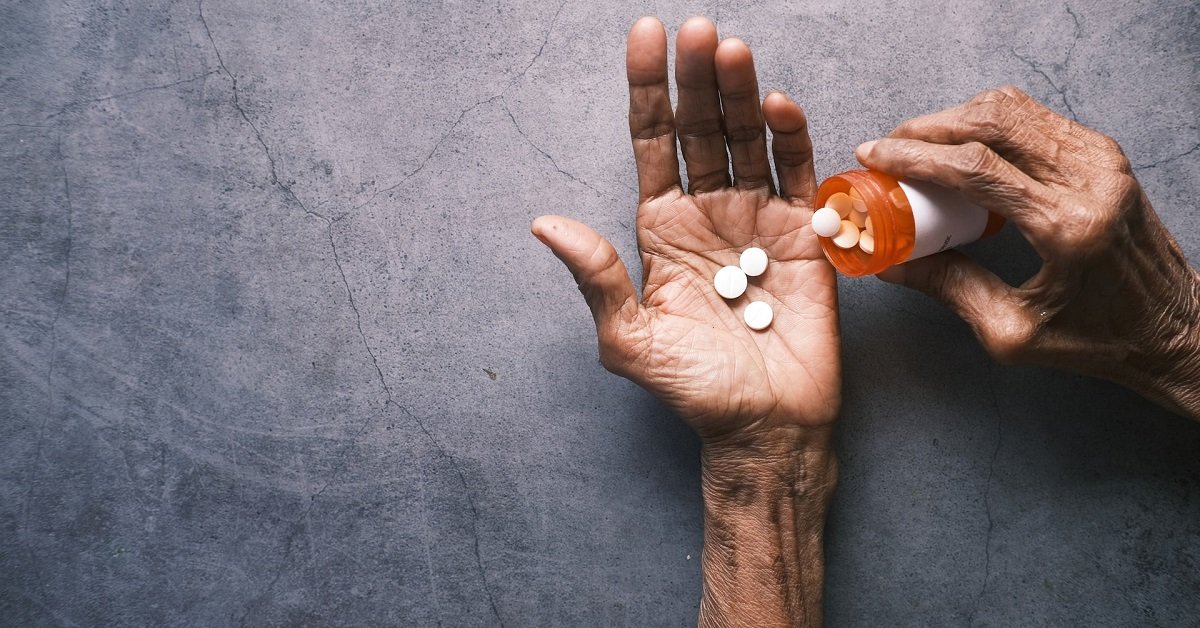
(903, 220)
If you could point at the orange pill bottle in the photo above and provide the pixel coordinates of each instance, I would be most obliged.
(907, 220)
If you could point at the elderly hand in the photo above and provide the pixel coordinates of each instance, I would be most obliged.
(1115, 297)
(763, 402)
(681, 340)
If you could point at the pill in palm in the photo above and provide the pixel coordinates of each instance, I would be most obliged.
(758, 315)
(730, 282)
(754, 261)
(847, 235)
(826, 222)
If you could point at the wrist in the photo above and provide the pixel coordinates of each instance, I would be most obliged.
(1167, 368)
(765, 503)
(1178, 386)
(793, 461)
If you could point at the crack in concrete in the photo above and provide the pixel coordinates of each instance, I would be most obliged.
(540, 50)
(462, 479)
(425, 161)
(237, 104)
(1077, 33)
(1062, 93)
(79, 104)
(428, 551)
(387, 390)
(462, 114)
(40, 439)
(1167, 160)
(83, 103)
(987, 503)
(548, 156)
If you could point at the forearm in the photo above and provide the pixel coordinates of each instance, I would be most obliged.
(1164, 360)
(1173, 379)
(764, 521)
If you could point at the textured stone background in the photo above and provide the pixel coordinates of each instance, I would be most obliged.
(278, 349)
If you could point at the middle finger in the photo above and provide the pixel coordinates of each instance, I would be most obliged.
(698, 118)
(744, 130)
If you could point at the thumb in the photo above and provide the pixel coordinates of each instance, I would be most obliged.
(973, 292)
(594, 263)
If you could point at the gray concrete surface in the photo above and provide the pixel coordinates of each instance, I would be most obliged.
(278, 349)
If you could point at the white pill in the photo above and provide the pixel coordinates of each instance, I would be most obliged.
(866, 242)
(754, 261)
(730, 282)
(847, 235)
(859, 219)
(826, 222)
(868, 227)
(841, 202)
(758, 315)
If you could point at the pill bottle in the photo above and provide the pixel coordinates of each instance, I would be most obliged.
(907, 220)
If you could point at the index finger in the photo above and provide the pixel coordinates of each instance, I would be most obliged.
(651, 123)
(981, 175)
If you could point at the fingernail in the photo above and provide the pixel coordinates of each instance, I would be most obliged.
(893, 274)
(864, 149)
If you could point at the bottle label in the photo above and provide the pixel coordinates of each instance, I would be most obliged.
(942, 218)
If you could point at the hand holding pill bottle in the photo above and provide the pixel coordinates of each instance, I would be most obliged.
(1115, 297)
(736, 326)
(882, 221)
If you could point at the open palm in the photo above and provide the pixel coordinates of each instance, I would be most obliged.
(681, 340)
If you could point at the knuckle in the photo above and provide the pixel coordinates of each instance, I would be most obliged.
(712, 177)
(752, 181)
(904, 129)
(687, 128)
(1008, 340)
(1114, 155)
(649, 126)
(744, 133)
(1108, 144)
(989, 121)
(1086, 230)
(1126, 191)
(602, 259)
(975, 158)
(994, 95)
(792, 154)
(1121, 163)
(1014, 92)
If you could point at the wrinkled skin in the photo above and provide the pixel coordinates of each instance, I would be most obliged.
(680, 340)
(1115, 297)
